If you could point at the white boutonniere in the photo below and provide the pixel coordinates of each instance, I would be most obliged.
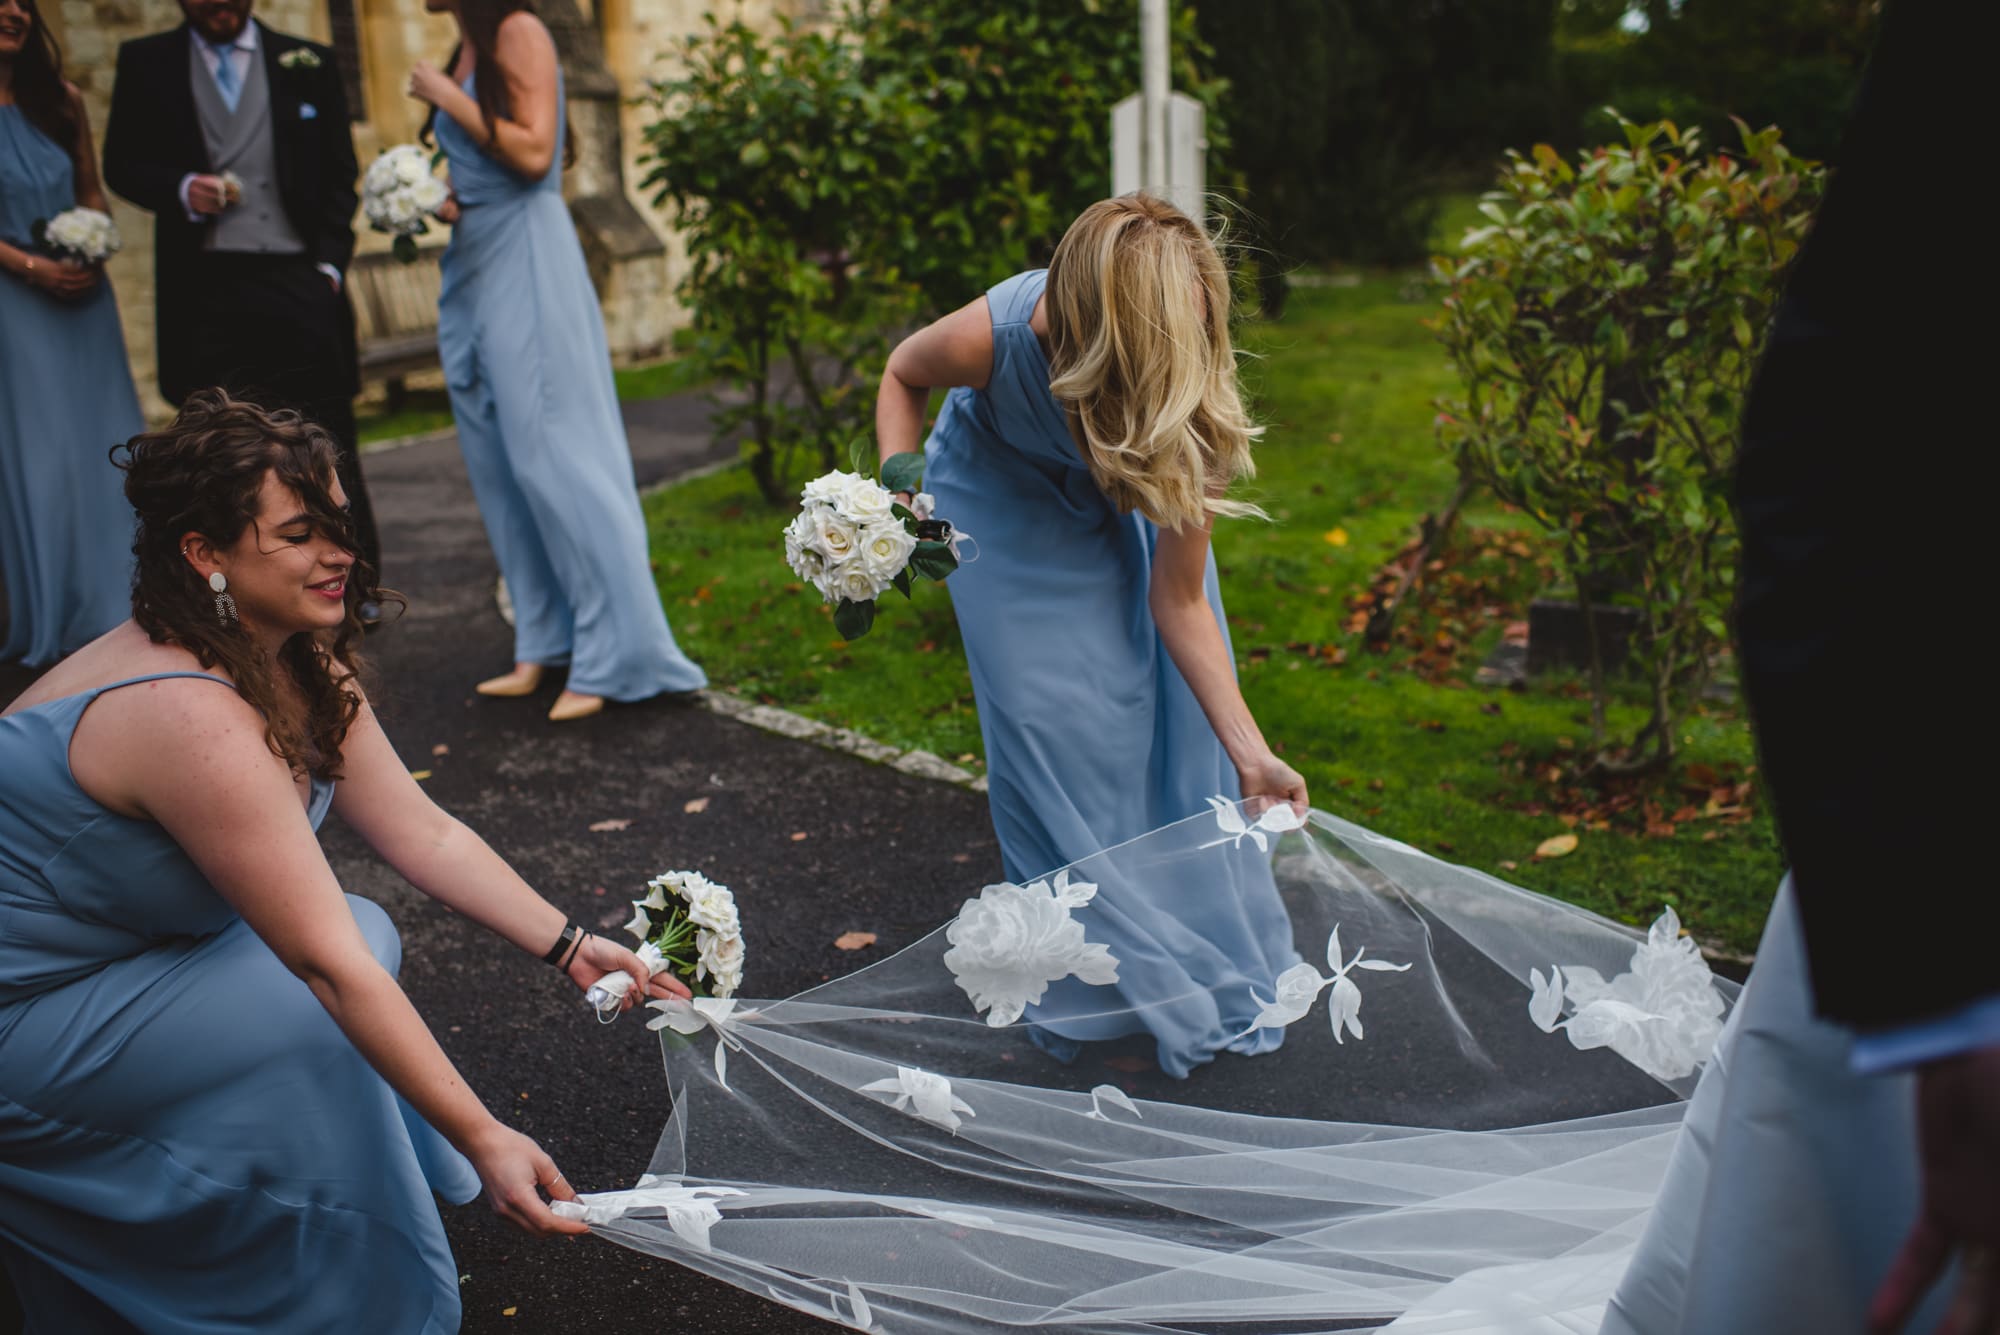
(300, 58)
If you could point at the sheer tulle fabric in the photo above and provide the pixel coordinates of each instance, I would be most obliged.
(1418, 1148)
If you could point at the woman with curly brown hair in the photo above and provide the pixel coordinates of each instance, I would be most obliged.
(218, 1111)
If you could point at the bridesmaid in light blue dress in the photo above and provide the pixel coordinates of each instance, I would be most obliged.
(218, 1112)
(529, 372)
(66, 393)
(1099, 655)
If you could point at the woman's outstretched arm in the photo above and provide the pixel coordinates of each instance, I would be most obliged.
(1179, 602)
(955, 350)
(439, 855)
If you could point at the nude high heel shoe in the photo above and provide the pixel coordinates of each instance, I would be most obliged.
(570, 705)
(525, 679)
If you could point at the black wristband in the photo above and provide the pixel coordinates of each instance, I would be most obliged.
(574, 951)
(554, 954)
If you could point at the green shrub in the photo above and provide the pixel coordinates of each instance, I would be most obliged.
(1604, 326)
(785, 162)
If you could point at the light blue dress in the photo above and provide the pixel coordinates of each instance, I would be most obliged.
(529, 372)
(188, 1143)
(1092, 736)
(66, 398)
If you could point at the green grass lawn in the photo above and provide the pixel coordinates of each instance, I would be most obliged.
(1400, 740)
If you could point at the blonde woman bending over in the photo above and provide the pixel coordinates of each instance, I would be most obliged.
(1092, 426)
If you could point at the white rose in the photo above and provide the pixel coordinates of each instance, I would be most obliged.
(837, 538)
(885, 550)
(923, 505)
(852, 581)
(714, 908)
(826, 489)
(863, 500)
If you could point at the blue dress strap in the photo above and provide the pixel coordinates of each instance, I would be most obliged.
(157, 676)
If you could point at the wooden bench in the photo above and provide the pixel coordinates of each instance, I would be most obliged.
(395, 316)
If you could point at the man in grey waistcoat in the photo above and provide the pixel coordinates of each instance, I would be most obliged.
(236, 139)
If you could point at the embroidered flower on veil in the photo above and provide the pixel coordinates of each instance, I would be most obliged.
(1299, 986)
(924, 1096)
(1009, 944)
(1663, 1015)
(1229, 817)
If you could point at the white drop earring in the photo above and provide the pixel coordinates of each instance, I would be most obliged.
(225, 606)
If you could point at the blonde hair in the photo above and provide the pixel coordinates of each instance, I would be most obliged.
(1139, 350)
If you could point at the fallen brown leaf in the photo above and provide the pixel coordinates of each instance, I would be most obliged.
(608, 826)
(694, 806)
(798, 836)
(1557, 846)
(853, 940)
(440, 750)
(420, 774)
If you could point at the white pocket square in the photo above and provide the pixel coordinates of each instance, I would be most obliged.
(307, 111)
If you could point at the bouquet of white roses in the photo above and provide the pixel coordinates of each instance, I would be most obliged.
(853, 542)
(83, 236)
(686, 923)
(399, 192)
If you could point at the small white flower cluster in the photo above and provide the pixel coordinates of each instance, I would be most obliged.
(846, 541)
(399, 191)
(84, 235)
(680, 903)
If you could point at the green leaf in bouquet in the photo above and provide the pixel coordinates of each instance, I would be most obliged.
(853, 619)
(903, 582)
(857, 455)
(405, 248)
(903, 471)
(933, 560)
(904, 513)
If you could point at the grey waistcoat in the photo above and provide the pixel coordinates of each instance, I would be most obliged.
(241, 142)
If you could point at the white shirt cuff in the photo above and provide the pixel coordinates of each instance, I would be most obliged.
(188, 208)
(1962, 1030)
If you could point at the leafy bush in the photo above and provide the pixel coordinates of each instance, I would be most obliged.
(785, 162)
(1018, 138)
(1605, 326)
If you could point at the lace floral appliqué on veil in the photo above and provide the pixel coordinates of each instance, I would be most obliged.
(1009, 944)
(1663, 1015)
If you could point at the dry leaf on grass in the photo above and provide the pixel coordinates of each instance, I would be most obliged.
(853, 940)
(420, 774)
(607, 826)
(1561, 845)
(694, 806)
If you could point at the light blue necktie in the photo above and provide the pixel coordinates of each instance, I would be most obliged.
(227, 81)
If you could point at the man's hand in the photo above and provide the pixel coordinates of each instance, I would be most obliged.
(1958, 1145)
(208, 195)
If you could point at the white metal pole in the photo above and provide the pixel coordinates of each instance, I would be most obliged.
(1153, 89)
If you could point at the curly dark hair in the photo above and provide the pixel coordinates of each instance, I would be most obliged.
(202, 474)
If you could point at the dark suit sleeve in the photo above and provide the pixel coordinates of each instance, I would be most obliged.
(134, 164)
(1857, 579)
(333, 242)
